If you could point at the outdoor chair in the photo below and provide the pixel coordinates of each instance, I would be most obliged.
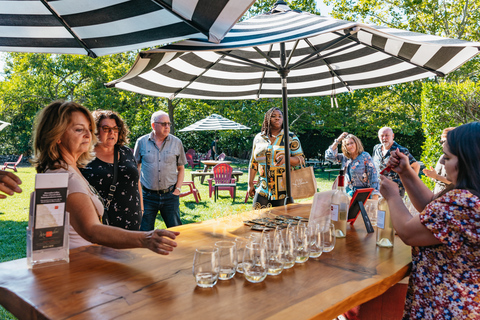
(208, 155)
(191, 162)
(12, 165)
(222, 176)
(192, 190)
(221, 157)
(246, 196)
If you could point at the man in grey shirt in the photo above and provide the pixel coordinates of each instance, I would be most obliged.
(161, 160)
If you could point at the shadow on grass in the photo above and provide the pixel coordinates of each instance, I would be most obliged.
(13, 239)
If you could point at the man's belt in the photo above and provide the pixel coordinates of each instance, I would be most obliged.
(159, 191)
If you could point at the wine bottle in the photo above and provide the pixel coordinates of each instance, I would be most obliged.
(339, 207)
(385, 232)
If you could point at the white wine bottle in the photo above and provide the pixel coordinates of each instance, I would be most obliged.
(339, 207)
(385, 232)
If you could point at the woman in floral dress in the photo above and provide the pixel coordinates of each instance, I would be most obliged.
(358, 164)
(445, 236)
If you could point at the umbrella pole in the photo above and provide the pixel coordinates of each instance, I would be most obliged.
(283, 74)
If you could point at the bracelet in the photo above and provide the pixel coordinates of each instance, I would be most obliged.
(336, 141)
(178, 189)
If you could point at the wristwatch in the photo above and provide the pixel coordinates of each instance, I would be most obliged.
(178, 189)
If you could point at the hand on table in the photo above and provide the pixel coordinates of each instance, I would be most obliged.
(9, 184)
(159, 241)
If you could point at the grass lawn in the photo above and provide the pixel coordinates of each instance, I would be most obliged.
(14, 210)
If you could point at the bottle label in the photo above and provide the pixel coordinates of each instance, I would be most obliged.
(381, 219)
(334, 212)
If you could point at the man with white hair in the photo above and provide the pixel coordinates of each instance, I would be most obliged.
(381, 154)
(161, 159)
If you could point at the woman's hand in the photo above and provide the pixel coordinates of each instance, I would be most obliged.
(9, 183)
(399, 162)
(280, 159)
(388, 188)
(251, 191)
(159, 241)
(342, 136)
(430, 173)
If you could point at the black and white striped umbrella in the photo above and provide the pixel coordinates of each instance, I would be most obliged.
(214, 122)
(316, 55)
(4, 124)
(101, 27)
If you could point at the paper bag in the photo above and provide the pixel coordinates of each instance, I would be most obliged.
(303, 182)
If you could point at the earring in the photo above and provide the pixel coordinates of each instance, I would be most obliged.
(59, 141)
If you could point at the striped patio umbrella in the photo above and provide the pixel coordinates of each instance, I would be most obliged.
(214, 122)
(101, 27)
(316, 55)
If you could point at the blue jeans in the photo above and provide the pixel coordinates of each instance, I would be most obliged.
(169, 206)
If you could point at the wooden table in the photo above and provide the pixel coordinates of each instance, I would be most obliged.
(104, 283)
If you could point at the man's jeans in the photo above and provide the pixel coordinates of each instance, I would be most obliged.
(167, 203)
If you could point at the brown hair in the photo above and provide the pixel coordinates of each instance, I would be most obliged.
(50, 124)
(123, 131)
(266, 121)
(358, 143)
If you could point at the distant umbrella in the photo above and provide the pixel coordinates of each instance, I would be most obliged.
(104, 27)
(3, 125)
(214, 122)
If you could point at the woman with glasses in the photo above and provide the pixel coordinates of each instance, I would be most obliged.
(359, 169)
(123, 205)
(63, 143)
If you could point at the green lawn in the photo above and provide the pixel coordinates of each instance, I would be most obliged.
(14, 210)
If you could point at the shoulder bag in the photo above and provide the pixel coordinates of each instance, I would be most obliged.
(303, 182)
(113, 186)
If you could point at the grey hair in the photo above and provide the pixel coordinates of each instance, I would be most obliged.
(157, 115)
(386, 128)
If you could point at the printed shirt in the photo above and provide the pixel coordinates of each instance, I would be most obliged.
(159, 166)
(360, 172)
(264, 152)
(380, 162)
(445, 278)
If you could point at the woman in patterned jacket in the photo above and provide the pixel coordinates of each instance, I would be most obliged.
(445, 236)
(268, 159)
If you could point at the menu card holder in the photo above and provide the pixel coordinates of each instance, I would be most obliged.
(48, 223)
(356, 206)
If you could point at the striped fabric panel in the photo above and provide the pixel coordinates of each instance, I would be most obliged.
(111, 26)
(371, 56)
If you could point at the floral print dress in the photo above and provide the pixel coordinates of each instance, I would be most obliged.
(445, 278)
(125, 210)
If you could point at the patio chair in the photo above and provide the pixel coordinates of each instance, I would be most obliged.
(208, 155)
(192, 190)
(246, 196)
(192, 162)
(221, 157)
(222, 176)
(12, 165)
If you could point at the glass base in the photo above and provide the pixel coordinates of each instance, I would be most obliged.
(385, 243)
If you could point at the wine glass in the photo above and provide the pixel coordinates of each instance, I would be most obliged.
(255, 262)
(302, 249)
(315, 240)
(329, 238)
(227, 261)
(205, 266)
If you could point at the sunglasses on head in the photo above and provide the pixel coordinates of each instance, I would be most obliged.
(108, 129)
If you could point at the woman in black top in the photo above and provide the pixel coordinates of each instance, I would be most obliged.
(125, 208)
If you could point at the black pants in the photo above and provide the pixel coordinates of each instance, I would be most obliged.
(263, 202)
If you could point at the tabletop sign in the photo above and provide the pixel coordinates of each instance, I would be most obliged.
(47, 232)
(357, 206)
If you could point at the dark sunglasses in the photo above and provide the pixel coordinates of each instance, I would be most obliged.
(165, 124)
(108, 129)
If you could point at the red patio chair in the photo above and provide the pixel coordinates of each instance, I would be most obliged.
(221, 157)
(222, 176)
(191, 162)
(208, 155)
(12, 165)
(192, 190)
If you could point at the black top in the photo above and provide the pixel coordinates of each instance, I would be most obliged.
(125, 210)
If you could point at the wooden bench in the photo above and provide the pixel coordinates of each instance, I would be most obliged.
(330, 171)
(202, 174)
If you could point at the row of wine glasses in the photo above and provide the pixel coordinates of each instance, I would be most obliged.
(262, 254)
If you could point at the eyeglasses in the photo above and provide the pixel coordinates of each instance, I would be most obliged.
(349, 144)
(108, 129)
(164, 124)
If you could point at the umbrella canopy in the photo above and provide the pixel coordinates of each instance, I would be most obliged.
(100, 27)
(214, 122)
(317, 55)
(3, 125)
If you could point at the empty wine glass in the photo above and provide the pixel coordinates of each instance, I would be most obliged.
(329, 238)
(275, 252)
(240, 243)
(315, 240)
(255, 262)
(289, 247)
(302, 250)
(205, 266)
(227, 259)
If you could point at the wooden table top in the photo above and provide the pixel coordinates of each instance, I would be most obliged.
(104, 283)
(214, 162)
